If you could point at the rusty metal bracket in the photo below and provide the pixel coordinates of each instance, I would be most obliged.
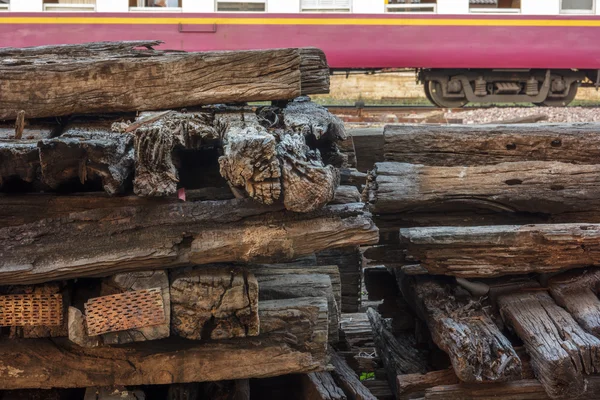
(123, 311)
(31, 310)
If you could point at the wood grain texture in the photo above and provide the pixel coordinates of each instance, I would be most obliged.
(519, 390)
(398, 355)
(577, 291)
(503, 249)
(107, 78)
(293, 340)
(528, 186)
(562, 353)
(347, 379)
(106, 241)
(479, 352)
(462, 145)
(274, 286)
(413, 386)
(321, 386)
(216, 303)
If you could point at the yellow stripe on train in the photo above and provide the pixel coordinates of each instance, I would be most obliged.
(299, 21)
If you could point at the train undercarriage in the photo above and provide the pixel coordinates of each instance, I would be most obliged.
(452, 88)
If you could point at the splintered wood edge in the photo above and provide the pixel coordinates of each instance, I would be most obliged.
(124, 311)
(31, 310)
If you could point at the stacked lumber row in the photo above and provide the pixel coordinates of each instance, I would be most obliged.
(492, 235)
(203, 241)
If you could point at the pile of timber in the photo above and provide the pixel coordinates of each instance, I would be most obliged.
(493, 236)
(155, 229)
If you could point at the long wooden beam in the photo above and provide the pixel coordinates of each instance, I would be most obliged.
(504, 249)
(461, 145)
(100, 78)
(293, 340)
(526, 186)
(102, 242)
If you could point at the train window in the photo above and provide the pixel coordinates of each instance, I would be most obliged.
(69, 5)
(4, 5)
(577, 6)
(155, 5)
(415, 6)
(495, 6)
(242, 6)
(325, 5)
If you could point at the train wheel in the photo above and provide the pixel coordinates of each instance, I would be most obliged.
(563, 101)
(435, 92)
(428, 93)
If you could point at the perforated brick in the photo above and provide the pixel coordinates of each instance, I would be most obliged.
(123, 311)
(31, 310)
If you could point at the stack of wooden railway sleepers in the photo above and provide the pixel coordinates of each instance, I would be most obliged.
(160, 238)
(493, 235)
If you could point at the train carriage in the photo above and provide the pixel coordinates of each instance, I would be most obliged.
(464, 51)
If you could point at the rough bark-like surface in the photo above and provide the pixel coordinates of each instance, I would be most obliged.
(307, 184)
(156, 138)
(561, 351)
(479, 352)
(114, 78)
(276, 164)
(293, 340)
(19, 161)
(289, 286)
(268, 271)
(310, 119)
(504, 249)
(353, 177)
(528, 186)
(32, 207)
(413, 386)
(398, 355)
(346, 194)
(130, 281)
(454, 145)
(250, 162)
(348, 381)
(107, 241)
(87, 154)
(320, 386)
(519, 390)
(576, 291)
(216, 303)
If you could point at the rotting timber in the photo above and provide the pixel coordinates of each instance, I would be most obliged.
(171, 234)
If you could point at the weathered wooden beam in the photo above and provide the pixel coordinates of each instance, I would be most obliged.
(90, 82)
(31, 207)
(287, 286)
(562, 353)
(349, 260)
(347, 379)
(107, 241)
(504, 249)
(479, 352)
(346, 194)
(320, 386)
(519, 390)
(216, 303)
(577, 292)
(413, 386)
(87, 154)
(455, 145)
(19, 161)
(528, 186)
(293, 340)
(398, 355)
